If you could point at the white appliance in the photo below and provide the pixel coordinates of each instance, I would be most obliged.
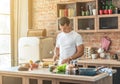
(34, 48)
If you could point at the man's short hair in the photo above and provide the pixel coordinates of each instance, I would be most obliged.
(64, 20)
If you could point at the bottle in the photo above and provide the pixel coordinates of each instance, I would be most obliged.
(90, 9)
(103, 5)
(87, 11)
(106, 8)
(116, 10)
(111, 5)
(106, 5)
(82, 11)
(110, 9)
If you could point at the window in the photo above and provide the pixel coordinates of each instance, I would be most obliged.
(5, 34)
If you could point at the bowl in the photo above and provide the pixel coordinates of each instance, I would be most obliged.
(94, 56)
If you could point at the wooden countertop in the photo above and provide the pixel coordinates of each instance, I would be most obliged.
(100, 61)
(44, 73)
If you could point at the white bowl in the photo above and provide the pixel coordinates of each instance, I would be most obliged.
(94, 56)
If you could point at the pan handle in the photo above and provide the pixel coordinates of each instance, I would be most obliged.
(100, 68)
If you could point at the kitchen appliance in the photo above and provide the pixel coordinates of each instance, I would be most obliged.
(34, 48)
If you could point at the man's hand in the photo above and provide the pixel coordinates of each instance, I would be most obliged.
(65, 61)
(55, 58)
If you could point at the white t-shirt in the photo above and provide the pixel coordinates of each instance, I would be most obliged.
(67, 43)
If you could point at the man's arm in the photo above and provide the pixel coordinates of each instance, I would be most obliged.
(79, 53)
(56, 53)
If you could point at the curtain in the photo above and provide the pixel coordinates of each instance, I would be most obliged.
(19, 25)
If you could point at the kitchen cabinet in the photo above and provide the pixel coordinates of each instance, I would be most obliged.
(102, 81)
(33, 81)
(72, 82)
(47, 81)
(26, 80)
(87, 20)
(86, 24)
(11, 80)
(116, 76)
(108, 23)
(38, 80)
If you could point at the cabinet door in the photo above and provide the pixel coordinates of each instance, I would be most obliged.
(11, 80)
(46, 81)
(108, 23)
(72, 82)
(33, 81)
(86, 24)
(41, 81)
(116, 76)
(68, 83)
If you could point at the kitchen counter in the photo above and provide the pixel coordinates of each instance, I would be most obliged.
(108, 62)
(102, 78)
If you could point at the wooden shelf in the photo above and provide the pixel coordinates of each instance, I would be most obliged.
(86, 31)
(85, 0)
(108, 30)
(96, 23)
(109, 15)
(85, 17)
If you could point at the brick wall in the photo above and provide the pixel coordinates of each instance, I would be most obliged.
(94, 39)
(45, 15)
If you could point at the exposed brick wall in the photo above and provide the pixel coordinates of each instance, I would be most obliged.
(45, 16)
(94, 40)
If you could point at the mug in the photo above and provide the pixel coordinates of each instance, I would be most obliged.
(94, 11)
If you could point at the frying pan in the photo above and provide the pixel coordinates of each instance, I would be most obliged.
(89, 71)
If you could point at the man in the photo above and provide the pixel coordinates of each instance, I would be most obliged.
(69, 45)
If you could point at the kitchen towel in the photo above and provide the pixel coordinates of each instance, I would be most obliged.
(106, 70)
(105, 43)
